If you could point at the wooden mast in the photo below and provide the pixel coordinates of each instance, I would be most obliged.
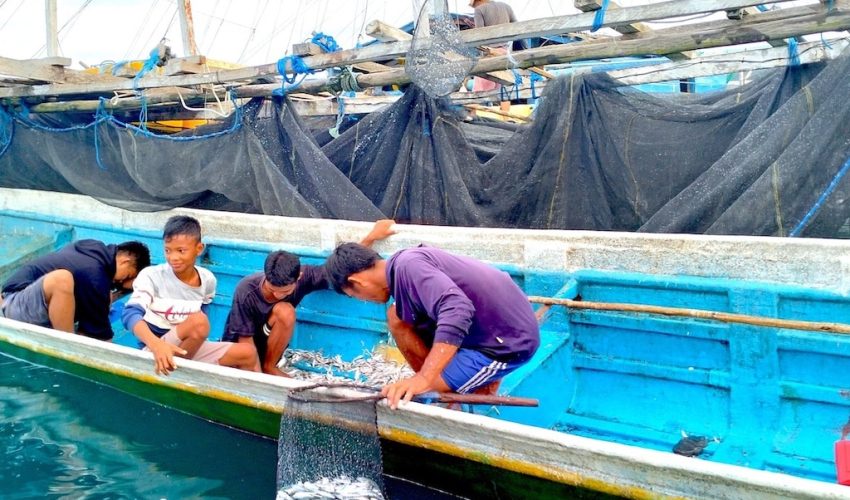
(187, 27)
(51, 33)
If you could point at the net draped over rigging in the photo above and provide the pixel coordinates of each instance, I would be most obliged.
(768, 158)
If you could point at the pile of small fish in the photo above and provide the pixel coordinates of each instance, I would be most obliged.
(369, 368)
(341, 488)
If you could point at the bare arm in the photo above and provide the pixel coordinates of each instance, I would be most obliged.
(382, 230)
(427, 379)
(163, 352)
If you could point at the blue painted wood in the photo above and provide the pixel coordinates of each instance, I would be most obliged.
(768, 398)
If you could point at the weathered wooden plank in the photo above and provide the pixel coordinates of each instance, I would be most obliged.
(474, 37)
(626, 29)
(371, 67)
(763, 27)
(594, 5)
(31, 69)
(306, 49)
(720, 64)
(186, 65)
(382, 31)
(50, 61)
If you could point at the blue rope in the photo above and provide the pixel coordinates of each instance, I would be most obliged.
(299, 67)
(534, 77)
(24, 118)
(100, 116)
(793, 53)
(426, 124)
(149, 65)
(236, 125)
(599, 19)
(517, 81)
(340, 115)
(818, 204)
(7, 130)
(143, 114)
(117, 67)
(326, 42)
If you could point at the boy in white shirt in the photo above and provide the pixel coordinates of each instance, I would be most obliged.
(167, 310)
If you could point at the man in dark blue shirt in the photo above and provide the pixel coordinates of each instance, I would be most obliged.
(73, 285)
(263, 310)
(461, 325)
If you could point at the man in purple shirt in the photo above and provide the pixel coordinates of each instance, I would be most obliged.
(263, 310)
(461, 325)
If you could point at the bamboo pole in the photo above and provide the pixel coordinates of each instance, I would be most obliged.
(479, 36)
(706, 66)
(815, 326)
(764, 27)
(478, 107)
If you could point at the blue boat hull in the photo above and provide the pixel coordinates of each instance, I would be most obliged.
(766, 398)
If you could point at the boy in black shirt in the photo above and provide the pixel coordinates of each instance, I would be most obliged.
(263, 310)
(73, 285)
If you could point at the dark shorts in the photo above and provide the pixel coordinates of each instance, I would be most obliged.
(28, 305)
(471, 369)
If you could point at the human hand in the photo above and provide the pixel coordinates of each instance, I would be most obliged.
(382, 230)
(405, 389)
(163, 356)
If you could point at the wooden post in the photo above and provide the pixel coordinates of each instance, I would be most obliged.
(51, 33)
(187, 27)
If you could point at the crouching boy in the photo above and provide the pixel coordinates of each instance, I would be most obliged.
(167, 311)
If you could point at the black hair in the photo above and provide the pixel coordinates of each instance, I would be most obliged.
(182, 224)
(348, 259)
(282, 268)
(136, 250)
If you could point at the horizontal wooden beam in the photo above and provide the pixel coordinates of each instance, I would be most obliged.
(721, 64)
(474, 37)
(31, 69)
(383, 32)
(626, 29)
(757, 28)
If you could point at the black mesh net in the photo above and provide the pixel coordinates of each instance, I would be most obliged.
(261, 160)
(767, 158)
(438, 61)
(329, 449)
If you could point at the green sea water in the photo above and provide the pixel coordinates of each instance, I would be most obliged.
(64, 437)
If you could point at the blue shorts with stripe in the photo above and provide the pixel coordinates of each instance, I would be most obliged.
(471, 369)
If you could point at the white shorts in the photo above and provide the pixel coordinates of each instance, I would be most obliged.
(210, 352)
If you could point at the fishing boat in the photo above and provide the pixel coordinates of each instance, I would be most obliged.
(737, 343)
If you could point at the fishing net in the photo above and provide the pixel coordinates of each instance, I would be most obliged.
(438, 61)
(261, 159)
(328, 449)
(767, 158)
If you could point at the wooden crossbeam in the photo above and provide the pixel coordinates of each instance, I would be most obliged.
(625, 29)
(480, 36)
(757, 28)
(31, 69)
(383, 32)
(810, 52)
(720, 64)
(311, 49)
